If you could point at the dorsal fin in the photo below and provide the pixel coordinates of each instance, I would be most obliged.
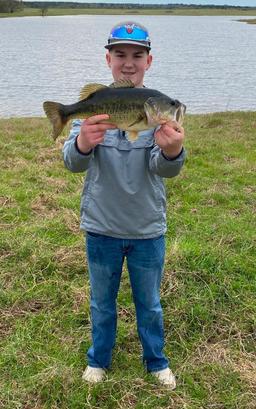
(89, 89)
(122, 84)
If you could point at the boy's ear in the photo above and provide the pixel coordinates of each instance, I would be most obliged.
(149, 61)
(108, 59)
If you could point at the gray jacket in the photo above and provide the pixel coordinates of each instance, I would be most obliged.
(124, 193)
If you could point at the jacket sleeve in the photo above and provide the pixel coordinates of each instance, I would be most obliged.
(163, 166)
(75, 160)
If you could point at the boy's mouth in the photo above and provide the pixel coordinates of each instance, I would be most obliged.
(128, 73)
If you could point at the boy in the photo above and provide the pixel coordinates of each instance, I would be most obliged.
(123, 211)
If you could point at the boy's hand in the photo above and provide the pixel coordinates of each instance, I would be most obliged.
(169, 137)
(92, 132)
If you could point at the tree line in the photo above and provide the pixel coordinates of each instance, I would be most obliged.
(10, 6)
(54, 4)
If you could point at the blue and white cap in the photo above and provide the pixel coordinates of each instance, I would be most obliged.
(129, 32)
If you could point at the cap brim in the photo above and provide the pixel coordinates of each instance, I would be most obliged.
(132, 42)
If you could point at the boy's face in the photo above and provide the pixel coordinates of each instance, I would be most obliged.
(129, 62)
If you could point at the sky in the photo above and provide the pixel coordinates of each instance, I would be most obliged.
(251, 3)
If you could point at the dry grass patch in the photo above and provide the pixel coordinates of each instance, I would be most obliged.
(53, 372)
(8, 128)
(7, 201)
(220, 353)
(170, 284)
(72, 220)
(48, 156)
(59, 185)
(70, 257)
(249, 189)
(80, 297)
(126, 314)
(33, 402)
(45, 205)
(17, 164)
(5, 330)
(21, 309)
(245, 364)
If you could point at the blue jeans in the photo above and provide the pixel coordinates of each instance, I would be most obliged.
(145, 261)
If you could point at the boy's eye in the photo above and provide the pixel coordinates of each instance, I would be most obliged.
(136, 56)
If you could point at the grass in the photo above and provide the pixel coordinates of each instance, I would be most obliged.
(208, 292)
(251, 21)
(133, 11)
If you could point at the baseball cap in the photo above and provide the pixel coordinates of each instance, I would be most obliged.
(129, 32)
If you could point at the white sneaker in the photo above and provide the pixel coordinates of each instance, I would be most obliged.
(165, 377)
(93, 375)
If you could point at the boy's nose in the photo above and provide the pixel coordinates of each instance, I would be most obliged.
(128, 66)
(128, 63)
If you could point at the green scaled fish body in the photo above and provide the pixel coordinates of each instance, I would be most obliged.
(131, 109)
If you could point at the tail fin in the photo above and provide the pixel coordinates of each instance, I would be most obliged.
(56, 116)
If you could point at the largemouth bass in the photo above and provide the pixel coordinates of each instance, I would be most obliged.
(131, 109)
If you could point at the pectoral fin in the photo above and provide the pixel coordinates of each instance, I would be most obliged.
(137, 121)
(133, 135)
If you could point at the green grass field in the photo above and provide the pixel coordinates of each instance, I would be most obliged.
(208, 292)
(149, 11)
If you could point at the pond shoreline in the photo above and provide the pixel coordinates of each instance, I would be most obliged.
(204, 11)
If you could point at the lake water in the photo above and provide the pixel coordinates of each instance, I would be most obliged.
(209, 63)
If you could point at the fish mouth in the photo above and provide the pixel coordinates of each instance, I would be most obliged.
(180, 113)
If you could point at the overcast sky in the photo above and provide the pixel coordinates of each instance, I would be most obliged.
(251, 3)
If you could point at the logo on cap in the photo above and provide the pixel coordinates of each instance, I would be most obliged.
(129, 29)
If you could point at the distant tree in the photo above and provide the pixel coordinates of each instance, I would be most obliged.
(9, 6)
(44, 11)
(4, 6)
